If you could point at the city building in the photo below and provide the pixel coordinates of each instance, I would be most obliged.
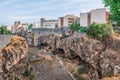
(97, 15)
(15, 26)
(84, 19)
(65, 21)
(9, 28)
(50, 24)
(23, 26)
(36, 24)
(43, 23)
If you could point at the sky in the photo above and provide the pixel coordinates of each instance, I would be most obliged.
(33, 10)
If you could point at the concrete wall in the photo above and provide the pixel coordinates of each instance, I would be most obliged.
(65, 21)
(83, 19)
(4, 40)
(98, 16)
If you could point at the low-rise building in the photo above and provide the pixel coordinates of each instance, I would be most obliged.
(43, 23)
(65, 21)
(36, 24)
(50, 24)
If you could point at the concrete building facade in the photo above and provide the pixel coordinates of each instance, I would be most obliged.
(50, 24)
(45, 23)
(36, 24)
(65, 21)
(84, 19)
(97, 15)
(15, 26)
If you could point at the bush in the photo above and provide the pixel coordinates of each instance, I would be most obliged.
(100, 31)
(74, 27)
(81, 70)
(80, 78)
(82, 29)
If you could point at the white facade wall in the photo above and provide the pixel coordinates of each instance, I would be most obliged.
(59, 20)
(9, 28)
(84, 19)
(36, 25)
(13, 29)
(65, 21)
(50, 24)
(98, 16)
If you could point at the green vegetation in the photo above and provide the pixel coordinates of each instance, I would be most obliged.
(16, 78)
(100, 31)
(80, 78)
(82, 29)
(114, 10)
(81, 70)
(3, 30)
(75, 27)
(30, 26)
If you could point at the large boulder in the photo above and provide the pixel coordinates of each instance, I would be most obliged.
(13, 59)
(100, 60)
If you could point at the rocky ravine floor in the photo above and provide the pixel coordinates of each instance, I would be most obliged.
(47, 67)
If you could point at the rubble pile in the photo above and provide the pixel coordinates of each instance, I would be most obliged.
(99, 60)
(13, 60)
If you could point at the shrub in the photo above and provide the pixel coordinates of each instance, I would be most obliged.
(80, 78)
(81, 70)
(100, 31)
(82, 29)
(74, 27)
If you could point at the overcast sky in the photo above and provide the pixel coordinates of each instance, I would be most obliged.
(33, 10)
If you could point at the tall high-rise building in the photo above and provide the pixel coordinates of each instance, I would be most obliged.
(97, 15)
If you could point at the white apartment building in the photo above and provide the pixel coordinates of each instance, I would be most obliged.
(97, 15)
(46, 24)
(50, 24)
(65, 21)
(84, 19)
(36, 24)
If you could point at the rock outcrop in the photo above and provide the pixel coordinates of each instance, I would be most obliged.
(100, 60)
(13, 59)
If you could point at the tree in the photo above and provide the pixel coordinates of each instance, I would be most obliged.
(114, 9)
(3, 30)
(30, 26)
(74, 27)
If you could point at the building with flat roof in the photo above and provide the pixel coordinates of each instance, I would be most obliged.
(65, 21)
(43, 23)
(97, 15)
(50, 24)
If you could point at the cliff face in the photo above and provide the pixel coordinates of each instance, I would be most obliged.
(13, 59)
(100, 60)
